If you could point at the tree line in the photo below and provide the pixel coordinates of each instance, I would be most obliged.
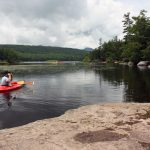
(8, 55)
(135, 45)
(14, 53)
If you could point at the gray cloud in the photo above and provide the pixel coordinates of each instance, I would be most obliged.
(44, 8)
(70, 23)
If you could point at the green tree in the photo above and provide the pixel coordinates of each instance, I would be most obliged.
(137, 37)
(8, 55)
(146, 52)
(132, 52)
(141, 29)
(110, 51)
(135, 45)
(127, 25)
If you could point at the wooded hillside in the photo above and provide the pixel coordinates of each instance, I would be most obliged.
(43, 53)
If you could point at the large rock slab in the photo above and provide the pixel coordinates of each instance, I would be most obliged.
(117, 126)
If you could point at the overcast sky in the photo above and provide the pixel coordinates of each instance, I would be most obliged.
(66, 23)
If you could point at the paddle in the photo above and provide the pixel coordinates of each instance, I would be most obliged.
(29, 82)
(24, 82)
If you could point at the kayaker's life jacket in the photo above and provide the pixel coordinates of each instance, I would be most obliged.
(5, 81)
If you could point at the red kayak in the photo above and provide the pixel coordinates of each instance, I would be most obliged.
(14, 86)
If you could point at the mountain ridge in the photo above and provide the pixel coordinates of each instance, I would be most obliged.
(40, 52)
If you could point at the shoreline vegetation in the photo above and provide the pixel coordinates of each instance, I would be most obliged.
(13, 54)
(132, 49)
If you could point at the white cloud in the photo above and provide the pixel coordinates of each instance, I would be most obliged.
(69, 23)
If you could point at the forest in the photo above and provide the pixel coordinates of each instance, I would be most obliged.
(14, 53)
(135, 45)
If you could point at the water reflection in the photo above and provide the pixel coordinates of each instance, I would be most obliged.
(60, 88)
(7, 97)
(137, 84)
(136, 81)
(111, 74)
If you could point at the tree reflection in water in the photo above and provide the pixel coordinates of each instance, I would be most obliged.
(136, 81)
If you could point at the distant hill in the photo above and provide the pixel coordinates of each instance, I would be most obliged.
(88, 49)
(43, 53)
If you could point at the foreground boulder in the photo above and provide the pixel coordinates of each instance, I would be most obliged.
(122, 126)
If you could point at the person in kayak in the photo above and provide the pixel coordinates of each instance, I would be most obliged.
(6, 79)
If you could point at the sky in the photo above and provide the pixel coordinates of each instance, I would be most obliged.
(65, 23)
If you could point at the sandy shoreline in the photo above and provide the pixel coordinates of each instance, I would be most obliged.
(113, 126)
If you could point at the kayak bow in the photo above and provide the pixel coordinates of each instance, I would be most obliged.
(14, 86)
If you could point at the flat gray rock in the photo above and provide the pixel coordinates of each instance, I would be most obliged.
(116, 126)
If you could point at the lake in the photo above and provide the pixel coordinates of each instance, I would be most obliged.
(59, 88)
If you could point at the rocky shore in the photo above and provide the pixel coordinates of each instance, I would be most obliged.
(115, 126)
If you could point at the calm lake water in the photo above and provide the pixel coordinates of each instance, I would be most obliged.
(59, 88)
